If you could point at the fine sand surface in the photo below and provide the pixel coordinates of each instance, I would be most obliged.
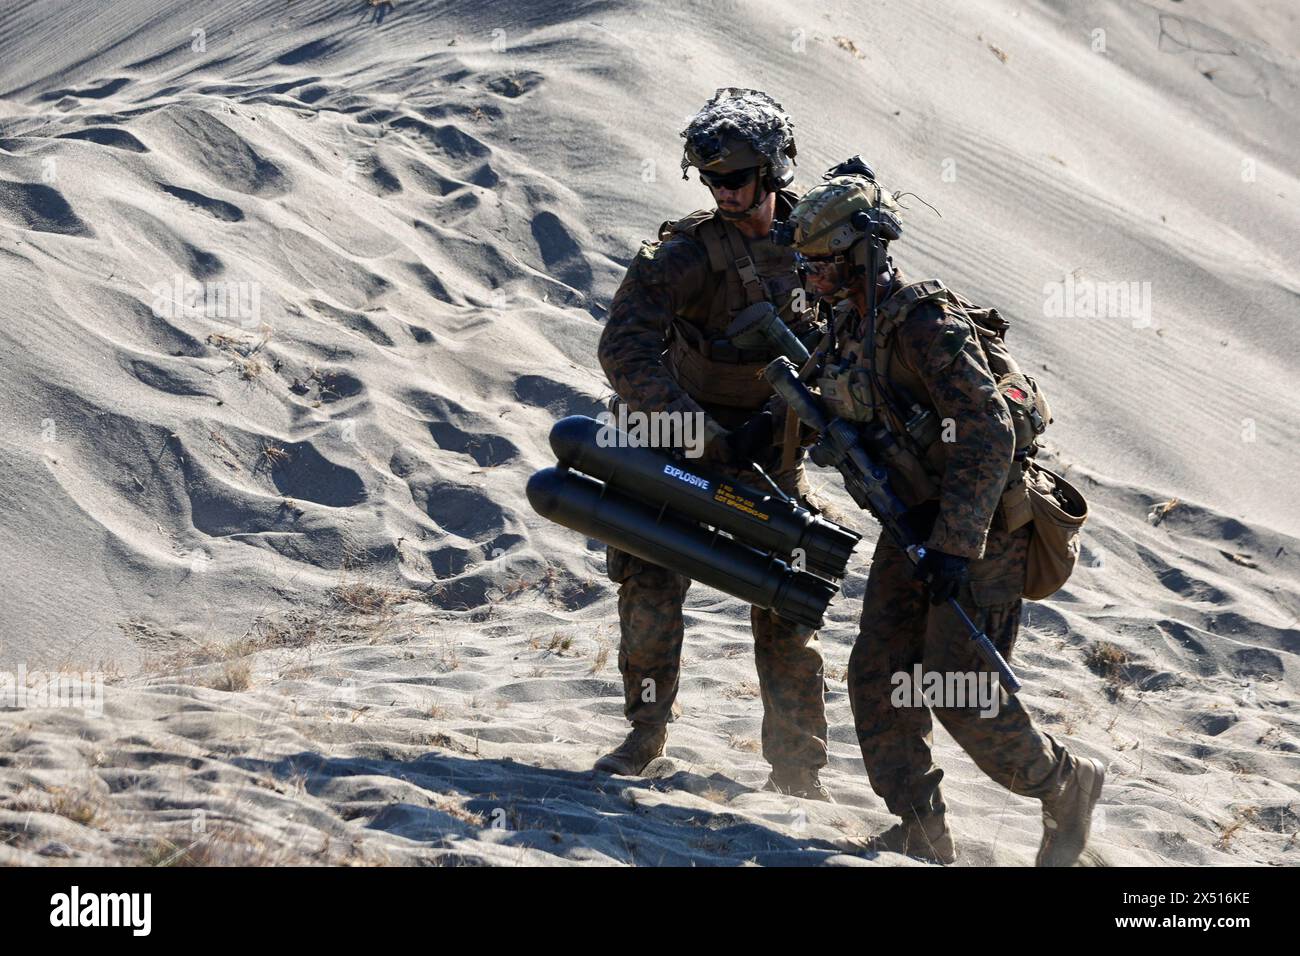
(294, 540)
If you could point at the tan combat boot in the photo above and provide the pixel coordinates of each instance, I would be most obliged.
(645, 743)
(923, 838)
(1067, 816)
(802, 783)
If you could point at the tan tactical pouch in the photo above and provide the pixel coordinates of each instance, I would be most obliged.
(847, 394)
(1015, 508)
(1059, 513)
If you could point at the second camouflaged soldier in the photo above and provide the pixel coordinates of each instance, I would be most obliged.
(665, 349)
(915, 378)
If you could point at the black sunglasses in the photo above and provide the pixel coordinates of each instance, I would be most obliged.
(733, 180)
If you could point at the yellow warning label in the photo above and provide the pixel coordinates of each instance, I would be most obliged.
(727, 495)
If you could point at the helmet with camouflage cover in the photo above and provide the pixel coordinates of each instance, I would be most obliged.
(740, 129)
(828, 224)
(832, 217)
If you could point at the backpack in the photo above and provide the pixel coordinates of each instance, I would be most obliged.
(1034, 494)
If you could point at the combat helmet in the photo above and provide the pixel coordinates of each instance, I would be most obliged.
(740, 130)
(831, 220)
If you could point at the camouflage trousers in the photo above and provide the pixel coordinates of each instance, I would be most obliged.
(787, 656)
(901, 629)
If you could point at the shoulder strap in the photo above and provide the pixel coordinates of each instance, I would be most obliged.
(891, 314)
(744, 265)
(710, 232)
(897, 306)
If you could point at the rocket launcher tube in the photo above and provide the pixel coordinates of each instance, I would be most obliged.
(656, 535)
(757, 518)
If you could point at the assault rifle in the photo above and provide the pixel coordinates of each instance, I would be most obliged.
(868, 484)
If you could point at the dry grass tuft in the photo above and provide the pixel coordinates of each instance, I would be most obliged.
(233, 677)
(453, 809)
(1110, 662)
(80, 807)
(367, 598)
(601, 659)
(449, 658)
(745, 690)
(294, 629)
(844, 43)
(273, 455)
(227, 846)
(715, 795)
(1229, 830)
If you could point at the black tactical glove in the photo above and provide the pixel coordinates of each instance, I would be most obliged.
(943, 574)
(751, 443)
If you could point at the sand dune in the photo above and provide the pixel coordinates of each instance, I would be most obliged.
(286, 521)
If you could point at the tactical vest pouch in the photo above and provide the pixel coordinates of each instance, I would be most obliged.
(711, 382)
(847, 394)
(1014, 507)
(1059, 511)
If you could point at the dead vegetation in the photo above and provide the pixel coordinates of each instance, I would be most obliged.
(1228, 831)
(233, 677)
(366, 598)
(242, 351)
(1161, 511)
(1111, 663)
(559, 588)
(81, 807)
(745, 690)
(358, 611)
(449, 658)
(272, 456)
(847, 45)
(456, 811)
(746, 745)
(558, 643)
(601, 657)
(231, 845)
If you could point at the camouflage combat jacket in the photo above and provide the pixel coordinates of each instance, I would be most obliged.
(925, 381)
(664, 346)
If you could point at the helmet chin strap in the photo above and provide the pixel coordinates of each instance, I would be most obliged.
(851, 270)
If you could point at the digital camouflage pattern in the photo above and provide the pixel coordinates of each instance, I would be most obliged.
(821, 219)
(936, 361)
(900, 628)
(943, 353)
(787, 656)
(671, 282)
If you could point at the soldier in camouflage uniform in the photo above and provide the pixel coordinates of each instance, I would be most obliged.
(917, 373)
(665, 348)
